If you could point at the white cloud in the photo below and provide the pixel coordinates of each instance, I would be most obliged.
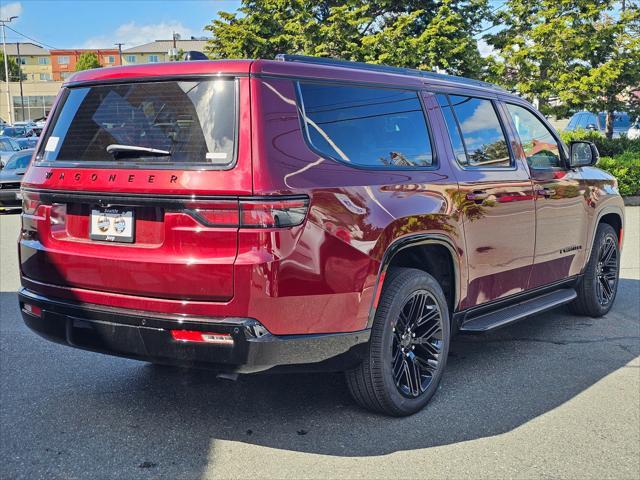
(485, 49)
(478, 121)
(10, 9)
(132, 34)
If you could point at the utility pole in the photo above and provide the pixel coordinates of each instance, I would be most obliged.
(120, 51)
(20, 80)
(6, 63)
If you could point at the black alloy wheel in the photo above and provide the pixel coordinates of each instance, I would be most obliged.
(408, 348)
(417, 344)
(598, 285)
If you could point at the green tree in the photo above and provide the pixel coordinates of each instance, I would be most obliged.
(14, 70)
(607, 68)
(585, 53)
(424, 34)
(87, 61)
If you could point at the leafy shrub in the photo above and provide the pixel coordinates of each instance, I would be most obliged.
(607, 147)
(626, 168)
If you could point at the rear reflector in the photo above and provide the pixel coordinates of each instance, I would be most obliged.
(202, 337)
(32, 310)
(249, 213)
(620, 238)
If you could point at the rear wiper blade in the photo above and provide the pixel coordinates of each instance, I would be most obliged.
(118, 150)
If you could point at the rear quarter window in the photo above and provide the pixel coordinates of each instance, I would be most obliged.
(474, 122)
(366, 126)
(156, 123)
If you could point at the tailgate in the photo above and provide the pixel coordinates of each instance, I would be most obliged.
(159, 166)
(175, 253)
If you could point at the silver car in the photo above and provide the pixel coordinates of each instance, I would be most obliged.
(8, 146)
(11, 177)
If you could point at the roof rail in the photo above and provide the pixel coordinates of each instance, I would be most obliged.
(335, 62)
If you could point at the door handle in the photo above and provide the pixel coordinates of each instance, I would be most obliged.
(546, 192)
(477, 196)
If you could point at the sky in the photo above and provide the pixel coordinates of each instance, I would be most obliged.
(100, 23)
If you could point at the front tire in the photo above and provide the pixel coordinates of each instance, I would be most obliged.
(408, 349)
(598, 287)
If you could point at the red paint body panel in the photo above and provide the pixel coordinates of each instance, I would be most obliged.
(319, 276)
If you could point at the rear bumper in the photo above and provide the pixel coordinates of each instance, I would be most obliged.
(9, 198)
(147, 336)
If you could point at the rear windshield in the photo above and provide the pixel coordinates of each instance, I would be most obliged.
(620, 120)
(158, 123)
(19, 160)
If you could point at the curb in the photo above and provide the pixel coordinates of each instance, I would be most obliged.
(632, 201)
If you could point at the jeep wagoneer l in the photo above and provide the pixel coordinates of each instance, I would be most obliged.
(305, 213)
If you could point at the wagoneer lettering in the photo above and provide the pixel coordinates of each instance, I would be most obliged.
(306, 214)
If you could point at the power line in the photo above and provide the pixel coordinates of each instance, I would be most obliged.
(32, 39)
(499, 7)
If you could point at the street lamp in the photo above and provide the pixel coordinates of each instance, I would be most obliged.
(6, 63)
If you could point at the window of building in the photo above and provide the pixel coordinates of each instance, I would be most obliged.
(477, 123)
(23, 61)
(43, 61)
(30, 107)
(130, 58)
(45, 77)
(540, 147)
(153, 59)
(111, 59)
(65, 75)
(373, 127)
(63, 60)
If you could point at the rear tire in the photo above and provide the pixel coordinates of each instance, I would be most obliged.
(408, 348)
(598, 287)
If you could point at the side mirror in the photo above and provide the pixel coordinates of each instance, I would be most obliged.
(591, 126)
(582, 154)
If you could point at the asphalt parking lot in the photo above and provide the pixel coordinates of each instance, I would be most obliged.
(553, 396)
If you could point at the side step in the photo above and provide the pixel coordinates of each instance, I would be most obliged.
(513, 313)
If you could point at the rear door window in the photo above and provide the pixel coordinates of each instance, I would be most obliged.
(477, 123)
(364, 126)
(156, 123)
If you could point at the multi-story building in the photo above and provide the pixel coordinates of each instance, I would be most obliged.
(159, 51)
(63, 62)
(34, 98)
(35, 61)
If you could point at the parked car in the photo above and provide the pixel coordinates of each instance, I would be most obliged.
(307, 214)
(18, 131)
(8, 146)
(634, 131)
(10, 178)
(598, 122)
(27, 142)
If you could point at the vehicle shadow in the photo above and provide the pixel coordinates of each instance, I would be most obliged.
(108, 408)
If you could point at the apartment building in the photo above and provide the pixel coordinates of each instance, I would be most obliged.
(159, 51)
(35, 61)
(63, 62)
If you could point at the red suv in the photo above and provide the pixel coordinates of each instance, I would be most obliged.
(306, 213)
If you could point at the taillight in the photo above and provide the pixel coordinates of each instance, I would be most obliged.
(223, 213)
(269, 213)
(251, 213)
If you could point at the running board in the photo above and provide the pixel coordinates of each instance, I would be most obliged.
(506, 315)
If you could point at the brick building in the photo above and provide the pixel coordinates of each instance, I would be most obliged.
(63, 62)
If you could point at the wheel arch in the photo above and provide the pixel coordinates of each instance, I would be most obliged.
(611, 215)
(420, 245)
